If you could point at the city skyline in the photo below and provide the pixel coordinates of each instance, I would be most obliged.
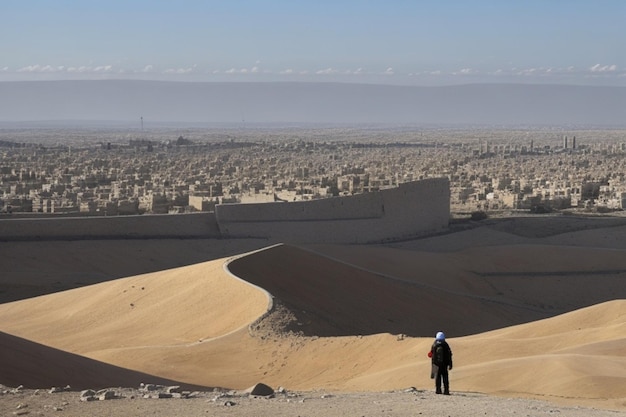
(403, 43)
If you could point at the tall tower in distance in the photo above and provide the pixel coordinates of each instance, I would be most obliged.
(565, 142)
(574, 142)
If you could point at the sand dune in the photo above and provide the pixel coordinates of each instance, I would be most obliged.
(355, 290)
(31, 364)
(30, 269)
(537, 319)
(169, 308)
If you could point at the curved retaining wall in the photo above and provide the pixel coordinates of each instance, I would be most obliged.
(411, 209)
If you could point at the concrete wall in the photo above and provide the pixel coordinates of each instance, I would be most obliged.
(361, 206)
(409, 210)
(118, 227)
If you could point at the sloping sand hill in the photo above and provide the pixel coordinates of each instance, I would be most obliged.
(532, 318)
(42, 366)
(32, 268)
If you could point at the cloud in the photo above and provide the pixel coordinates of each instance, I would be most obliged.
(570, 74)
(326, 71)
(180, 71)
(333, 71)
(464, 71)
(253, 70)
(41, 68)
(527, 71)
(90, 70)
(603, 68)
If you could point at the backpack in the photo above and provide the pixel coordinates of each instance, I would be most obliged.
(439, 355)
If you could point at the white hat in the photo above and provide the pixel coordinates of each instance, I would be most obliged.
(440, 336)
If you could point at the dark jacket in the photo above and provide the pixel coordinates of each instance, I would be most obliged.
(447, 354)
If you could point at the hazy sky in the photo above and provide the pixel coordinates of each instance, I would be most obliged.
(409, 42)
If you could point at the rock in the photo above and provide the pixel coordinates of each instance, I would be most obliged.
(173, 389)
(106, 394)
(229, 404)
(52, 407)
(149, 387)
(88, 395)
(260, 390)
(164, 395)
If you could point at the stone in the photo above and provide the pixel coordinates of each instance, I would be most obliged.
(87, 393)
(260, 390)
(149, 387)
(106, 395)
(173, 389)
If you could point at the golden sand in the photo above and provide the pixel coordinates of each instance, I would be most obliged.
(529, 320)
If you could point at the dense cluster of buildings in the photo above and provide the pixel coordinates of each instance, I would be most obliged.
(160, 173)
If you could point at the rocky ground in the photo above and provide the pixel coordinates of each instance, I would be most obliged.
(159, 401)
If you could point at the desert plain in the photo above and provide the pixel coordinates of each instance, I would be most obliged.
(534, 309)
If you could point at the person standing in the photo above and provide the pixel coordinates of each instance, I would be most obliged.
(441, 358)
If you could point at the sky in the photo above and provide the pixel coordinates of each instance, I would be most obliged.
(401, 42)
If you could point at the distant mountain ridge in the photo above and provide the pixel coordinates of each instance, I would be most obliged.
(284, 102)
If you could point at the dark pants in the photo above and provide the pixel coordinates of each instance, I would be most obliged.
(442, 374)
